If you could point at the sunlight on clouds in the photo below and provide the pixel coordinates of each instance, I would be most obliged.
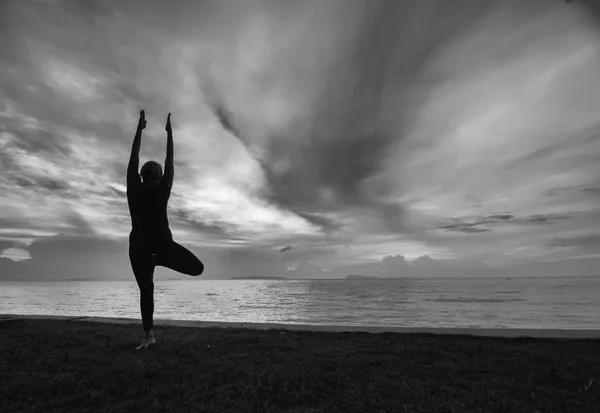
(222, 182)
(42, 212)
(517, 108)
(71, 80)
(369, 248)
(219, 201)
(30, 163)
(15, 254)
(81, 171)
(118, 187)
(23, 235)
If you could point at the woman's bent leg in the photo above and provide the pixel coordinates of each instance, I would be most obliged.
(178, 258)
(143, 269)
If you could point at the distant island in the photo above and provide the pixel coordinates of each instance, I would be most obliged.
(370, 277)
(258, 277)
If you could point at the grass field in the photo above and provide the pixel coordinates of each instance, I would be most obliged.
(69, 366)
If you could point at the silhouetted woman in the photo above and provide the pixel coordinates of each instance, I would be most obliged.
(150, 241)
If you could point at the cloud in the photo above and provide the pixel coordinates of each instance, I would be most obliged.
(424, 261)
(52, 184)
(323, 164)
(185, 219)
(502, 216)
(593, 190)
(427, 267)
(464, 227)
(535, 219)
(586, 241)
(5, 244)
(349, 132)
(119, 190)
(225, 119)
(79, 224)
(484, 224)
(393, 265)
(305, 270)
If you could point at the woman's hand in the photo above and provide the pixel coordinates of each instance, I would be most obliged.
(168, 126)
(142, 121)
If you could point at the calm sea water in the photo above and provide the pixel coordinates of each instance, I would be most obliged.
(565, 303)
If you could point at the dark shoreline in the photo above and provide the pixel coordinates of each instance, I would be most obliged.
(64, 366)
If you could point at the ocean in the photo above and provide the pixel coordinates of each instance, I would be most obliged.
(553, 303)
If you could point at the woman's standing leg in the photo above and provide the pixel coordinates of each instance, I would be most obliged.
(178, 258)
(142, 263)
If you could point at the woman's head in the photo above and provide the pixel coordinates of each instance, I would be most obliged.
(151, 171)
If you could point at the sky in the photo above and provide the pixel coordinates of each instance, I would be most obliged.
(313, 139)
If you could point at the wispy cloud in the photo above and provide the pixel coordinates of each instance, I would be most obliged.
(588, 240)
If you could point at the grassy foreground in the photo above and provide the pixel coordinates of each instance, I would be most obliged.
(68, 366)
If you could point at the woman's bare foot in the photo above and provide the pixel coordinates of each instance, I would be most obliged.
(148, 341)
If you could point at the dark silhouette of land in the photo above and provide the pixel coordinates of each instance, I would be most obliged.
(63, 366)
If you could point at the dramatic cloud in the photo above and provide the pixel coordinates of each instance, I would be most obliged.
(590, 240)
(484, 224)
(312, 139)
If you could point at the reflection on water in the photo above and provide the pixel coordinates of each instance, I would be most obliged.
(485, 303)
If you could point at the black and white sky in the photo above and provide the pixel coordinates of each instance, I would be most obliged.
(337, 137)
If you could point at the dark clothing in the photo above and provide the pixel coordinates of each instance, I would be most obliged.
(148, 210)
(151, 242)
(168, 254)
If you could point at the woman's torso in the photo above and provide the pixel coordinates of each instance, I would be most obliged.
(148, 210)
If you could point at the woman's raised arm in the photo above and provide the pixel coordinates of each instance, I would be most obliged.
(133, 176)
(169, 170)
